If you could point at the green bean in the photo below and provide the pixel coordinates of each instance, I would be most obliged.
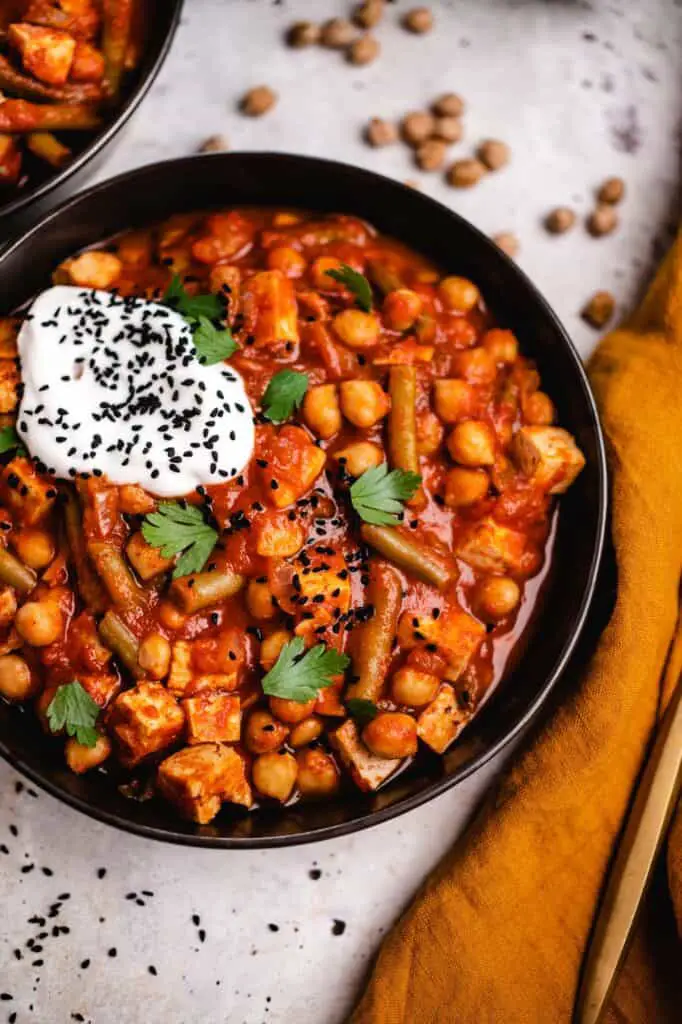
(384, 276)
(118, 638)
(374, 640)
(89, 586)
(117, 18)
(46, 146)
(113, 570)
(15, 573)
(205, 588)
(407, 554)
(402, 423)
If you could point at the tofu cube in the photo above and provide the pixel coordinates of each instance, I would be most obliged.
(9, 383)
(186, 678)
(549, 456)
(491, 547)
(212, 717)
(456, 634)
(29, 496)
(441, 722)
(144, 720)
(323, 595)
(293, 464)
(197, 780)
(101, 686)
(367, 770)
(46, 53)
(147, 561)
(180, 675)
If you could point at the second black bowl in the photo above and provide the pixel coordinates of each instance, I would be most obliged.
(266, 179)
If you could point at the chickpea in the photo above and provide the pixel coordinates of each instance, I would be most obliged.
(412, 688)
(8, 605)
(458, 294)
(39, 623)
(93, 270)
(391, 734)
(356, 328)
(337, 34)
(34, 547)
(214, 144)
(288, 260)
(318, 775)
(303, 33)
(507, 242)
(449, 105)
(429, 433)
(263, 733)
(602, 221)
(611, 191)
(494, 154)
(501, 344)
(364, 402)
(369, 13)
(318, 273)
(419, 20)
(560, 220)
(401, 308)
(258, 101)
(472, 443)
(305, 732)
(599, 310)
(321, 410)
(496, 597)
(291, 711)
(16, 679)
(260, 601)
(271, 647)
(475, 365)
(465, 173)
(453, 399)
(359, 457)
(430, 156)
(274, 775)
(449, 129)
(154, 655)
(465, 487)
(81, 759)
(380, 132)
(417, 126)
(363, 51)
(170, 616)
(538, 410)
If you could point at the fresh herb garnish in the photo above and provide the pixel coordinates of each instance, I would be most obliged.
(361, 710)
(284, 393)
(176, 528)
(212, 343)
(356, 283)
(9, 439)
(192, 306)
(72, 708)
(297, 676)
(377, 496)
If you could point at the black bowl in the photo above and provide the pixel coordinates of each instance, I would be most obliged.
(164, 17)
(154, 192)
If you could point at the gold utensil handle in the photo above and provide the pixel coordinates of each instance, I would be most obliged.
(633, 866)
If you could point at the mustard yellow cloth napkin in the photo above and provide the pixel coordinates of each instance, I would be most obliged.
(498, 932)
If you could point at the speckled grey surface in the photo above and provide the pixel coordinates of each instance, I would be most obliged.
(580, 90)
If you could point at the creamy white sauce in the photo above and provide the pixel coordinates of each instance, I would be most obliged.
(114, 386)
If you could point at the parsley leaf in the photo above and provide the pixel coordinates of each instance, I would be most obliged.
(283, 394)
(297, 676)
(356, 283)
(361, 710)
(211, 343)
(377, 495)
(176, 528)
(192, 307)
(72, 708)
(9, 439)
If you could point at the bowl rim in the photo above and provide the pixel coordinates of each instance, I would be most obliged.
(102, 139)
(439, 786)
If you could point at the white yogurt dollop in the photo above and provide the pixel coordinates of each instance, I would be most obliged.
(113, 386)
